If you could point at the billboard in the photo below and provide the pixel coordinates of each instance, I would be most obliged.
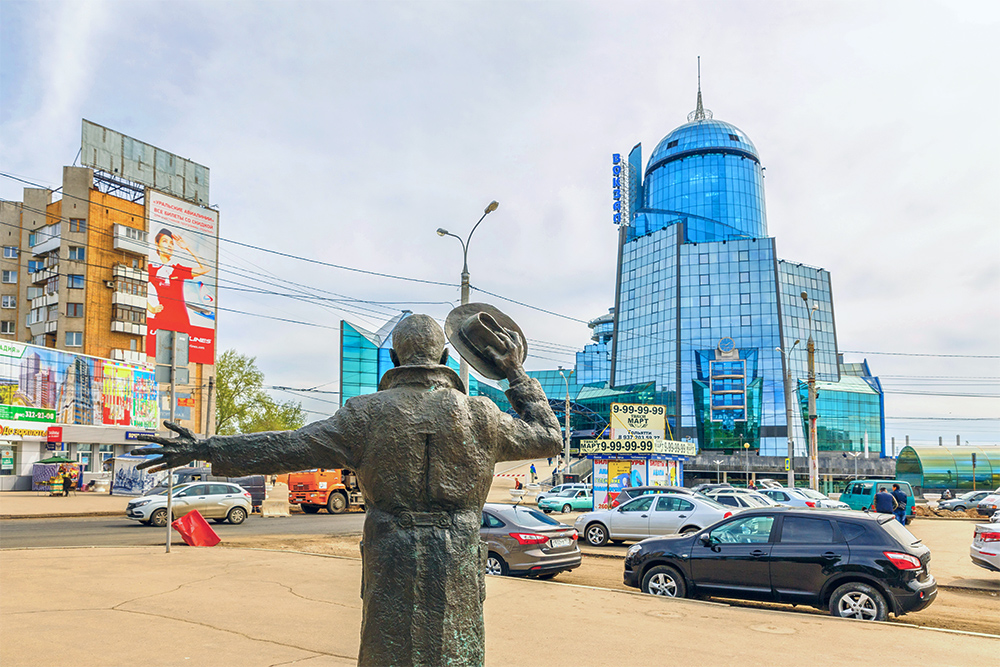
(40, 386)
(637, 420)
(182, 273)
(119, 154)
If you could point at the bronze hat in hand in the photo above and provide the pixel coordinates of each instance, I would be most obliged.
(476, 327)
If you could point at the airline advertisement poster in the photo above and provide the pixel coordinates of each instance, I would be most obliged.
(637, 420)
(182, 273)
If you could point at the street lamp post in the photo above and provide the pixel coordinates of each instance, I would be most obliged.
(718, 475)
(813, 448)
(566, 439)
(746, 449)
(463, 367)
(789, 413)
(855, 455)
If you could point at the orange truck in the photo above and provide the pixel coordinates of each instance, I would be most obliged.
(335, 490)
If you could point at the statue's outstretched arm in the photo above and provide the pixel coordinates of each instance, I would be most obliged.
(321, 444)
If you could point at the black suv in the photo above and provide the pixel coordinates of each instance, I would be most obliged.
(854, 564)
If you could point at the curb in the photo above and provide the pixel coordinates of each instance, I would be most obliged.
(5, 517)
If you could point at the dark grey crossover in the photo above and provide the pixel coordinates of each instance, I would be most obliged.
(857, 565)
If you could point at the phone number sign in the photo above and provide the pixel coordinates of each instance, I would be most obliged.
(638, 420)
(638, 446)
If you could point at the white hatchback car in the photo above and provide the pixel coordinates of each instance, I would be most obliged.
(220, 501)
(651, 515)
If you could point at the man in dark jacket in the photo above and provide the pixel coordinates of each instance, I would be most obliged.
(424, 453)
(884, 503)
(900, 497)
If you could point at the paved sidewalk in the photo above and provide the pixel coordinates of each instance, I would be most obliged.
(140, 606)
(31, 504)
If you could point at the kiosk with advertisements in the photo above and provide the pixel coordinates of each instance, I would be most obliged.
(636, 454)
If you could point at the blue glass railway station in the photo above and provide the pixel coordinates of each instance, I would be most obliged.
(704, 308)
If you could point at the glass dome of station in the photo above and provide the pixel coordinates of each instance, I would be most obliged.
(702, 136)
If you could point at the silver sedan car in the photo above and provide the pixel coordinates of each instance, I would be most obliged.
(652, 515)
(802, 497)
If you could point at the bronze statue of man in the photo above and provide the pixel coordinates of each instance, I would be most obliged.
(424, 453)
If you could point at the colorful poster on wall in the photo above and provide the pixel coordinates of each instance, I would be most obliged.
(601, 501)
(116, 404)
(181, 273)
(658, 473)
(145, 412)
(41, 386)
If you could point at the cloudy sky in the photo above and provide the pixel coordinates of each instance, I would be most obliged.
(348, 132)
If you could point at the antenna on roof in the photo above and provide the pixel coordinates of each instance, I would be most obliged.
(700, 112)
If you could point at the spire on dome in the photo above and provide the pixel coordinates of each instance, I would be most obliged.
(700, 112)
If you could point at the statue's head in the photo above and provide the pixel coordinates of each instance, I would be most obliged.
(418, 341)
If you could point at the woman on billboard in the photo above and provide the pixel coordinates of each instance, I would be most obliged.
(169, 311)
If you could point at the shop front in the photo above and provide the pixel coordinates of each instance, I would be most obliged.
(626, 462)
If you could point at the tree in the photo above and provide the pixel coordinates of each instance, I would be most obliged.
(242, 405)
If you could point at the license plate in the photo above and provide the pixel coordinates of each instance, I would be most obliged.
(558, 542)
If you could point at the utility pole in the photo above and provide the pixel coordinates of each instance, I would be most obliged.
(565, 377)
(173, 407)
(813, 447)
(789, 412)
(718, 475)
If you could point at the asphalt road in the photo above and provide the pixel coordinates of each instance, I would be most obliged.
(118, 532)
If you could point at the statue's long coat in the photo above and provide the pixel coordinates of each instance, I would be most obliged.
(424, 453)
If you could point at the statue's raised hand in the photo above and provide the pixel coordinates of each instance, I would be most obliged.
(173, 452)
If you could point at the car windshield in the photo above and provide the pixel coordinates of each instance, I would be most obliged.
(568, 493)
(810, 493)
(966, 496)
(530, 518)
(162, 490)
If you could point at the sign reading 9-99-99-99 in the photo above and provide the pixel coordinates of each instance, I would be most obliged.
(638, 446)
(637, 420)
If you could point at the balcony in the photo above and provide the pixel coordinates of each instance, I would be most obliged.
(43, 275)
(119, 326)
(126, 299)
(130, 356)
(45, 300)
(131, 240)
(43, 327)
(125, 271)
(46, 243)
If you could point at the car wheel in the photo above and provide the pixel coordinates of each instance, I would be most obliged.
(597, 535)
(566, 509)
(665, 581)
(690, 529)
(158, 518)
(310, 509)
(959, 508)
(336, 503)
(237, 515)
(495, 565)
(857, 600)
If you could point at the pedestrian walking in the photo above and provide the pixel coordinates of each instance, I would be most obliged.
(900, 496)
(548, 461)
(534, 473)
(884, 503)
